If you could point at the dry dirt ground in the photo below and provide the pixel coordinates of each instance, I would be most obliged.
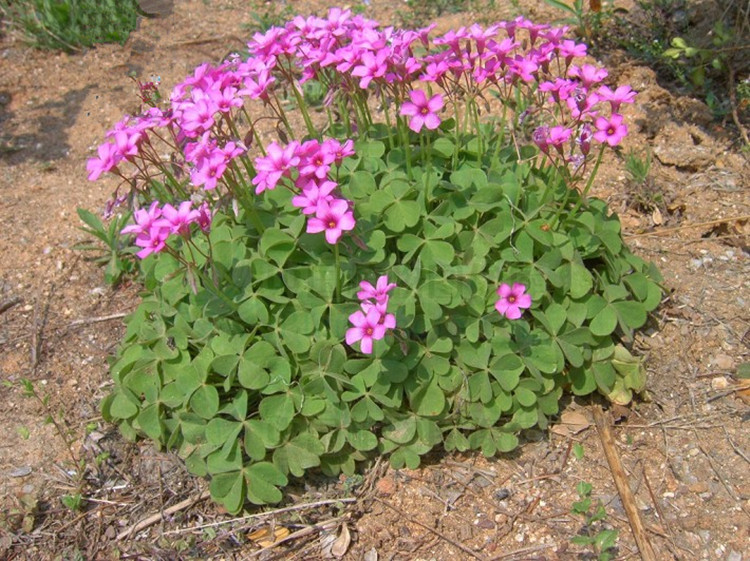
(685, 450)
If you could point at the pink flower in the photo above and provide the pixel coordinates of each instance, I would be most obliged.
(584, 140)
(333, 217)
(423, 111)
(588, 74)
(204, 217)
(256, 86)
(338, 150)
(621, 95)
(378, 293)
(180, 218)
(144, 219)
(611, 130)
(559, 135)
(570, 50)
(154, 240)
(109, 157)
(312, 194)
(559, 89)
(372, 66)
(225, 99)
(316, 161)
(209, 170)
(198, 116)
(525, 68)
(512, 299)
(276, 164)
(540, 136)
(581, 102)
(368, 327)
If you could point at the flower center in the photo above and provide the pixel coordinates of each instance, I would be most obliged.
(511, 299)
(424, 110)
(331, 223)
(369, 331)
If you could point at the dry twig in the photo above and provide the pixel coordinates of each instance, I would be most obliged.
(8, 304)
(39, 323)
(292, 508)
(154, 518)
(623, 488)
(98, 319)
(737, 450)
(522, 551)
(689, 226)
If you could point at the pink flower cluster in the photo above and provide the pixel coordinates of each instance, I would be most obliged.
(348, 52)
(307, 166)
(353, 57)
(372, 320)
(124, 142)
(154, 225)
(582, 93)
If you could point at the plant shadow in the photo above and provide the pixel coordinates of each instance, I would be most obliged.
(44, 138)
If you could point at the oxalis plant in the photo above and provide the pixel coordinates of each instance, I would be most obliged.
(416, 265)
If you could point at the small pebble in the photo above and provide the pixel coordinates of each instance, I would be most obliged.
(386, 486)
(502, 494)
(723, 362)
(719, 383)
(22, 471)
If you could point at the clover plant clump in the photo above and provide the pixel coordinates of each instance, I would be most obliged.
(417, 264)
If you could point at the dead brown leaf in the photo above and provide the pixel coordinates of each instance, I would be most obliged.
(571, 422)
(342, 543)
(744, 391)
(267, 536)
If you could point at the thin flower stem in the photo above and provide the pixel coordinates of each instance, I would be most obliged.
(303, 109)
(404, 133)
(338, 271)
(456, 133)
(345, 115)
(387, 119)
(589, 183)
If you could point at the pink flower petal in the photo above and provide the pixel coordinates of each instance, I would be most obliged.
(366, 345)
(353, 334)
(523, 301)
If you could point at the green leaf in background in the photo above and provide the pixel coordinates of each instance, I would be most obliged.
(298, 454)
(278, 410)
(205, 401)
(604, 322)
(263, 480)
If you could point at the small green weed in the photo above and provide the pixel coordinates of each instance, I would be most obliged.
(71, 25)
(270, 16)
(593, 533)
(420, 12)
(590, 23)
(638, 167)
(578, 451)
(111, 252)
(645, 194)
(74, 502)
